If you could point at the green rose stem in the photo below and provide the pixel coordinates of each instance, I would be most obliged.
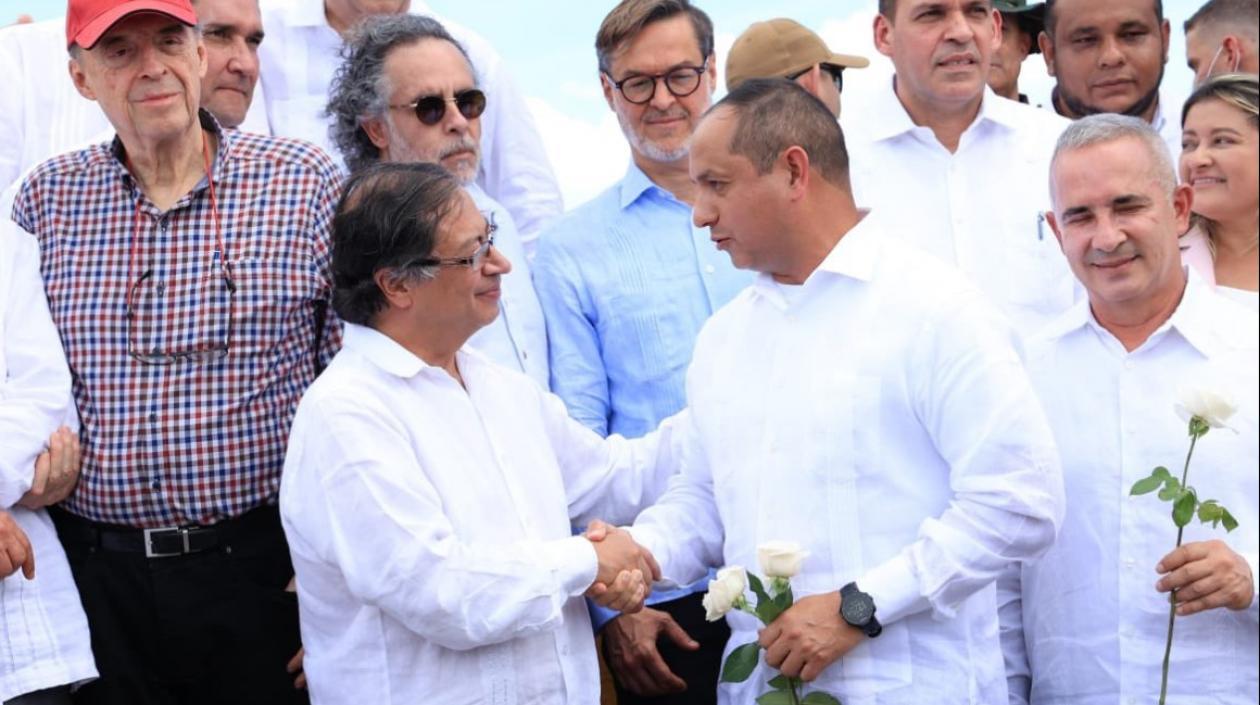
(1196, 430)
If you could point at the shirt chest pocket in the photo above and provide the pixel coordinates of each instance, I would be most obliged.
(273, 297)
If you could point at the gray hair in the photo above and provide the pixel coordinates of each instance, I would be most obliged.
(360, 89)
(1104, 128)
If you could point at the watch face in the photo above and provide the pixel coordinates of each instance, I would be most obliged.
(857, 609)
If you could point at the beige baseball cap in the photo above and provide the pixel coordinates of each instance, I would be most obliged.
(779, 48)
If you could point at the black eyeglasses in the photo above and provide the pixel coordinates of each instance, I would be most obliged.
(837, 75)
(473, 261)
(206, 339)
(680, 81)
(432, 108)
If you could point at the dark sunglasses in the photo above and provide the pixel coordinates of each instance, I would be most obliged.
(837, 75)
(432, 108)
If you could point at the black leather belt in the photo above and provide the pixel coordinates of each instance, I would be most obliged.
(163, 542)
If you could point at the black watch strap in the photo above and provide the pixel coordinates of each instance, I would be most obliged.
(861, 610)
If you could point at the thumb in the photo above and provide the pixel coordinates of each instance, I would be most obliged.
(677, 634)
(597, 530)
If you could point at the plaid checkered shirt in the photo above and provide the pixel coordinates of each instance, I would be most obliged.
(200, 437)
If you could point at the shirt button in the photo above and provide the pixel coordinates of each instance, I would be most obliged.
(152, 418)
(709, 269)
(1128, 364)
(160, 287)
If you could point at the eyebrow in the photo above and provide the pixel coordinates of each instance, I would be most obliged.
(1130, 199)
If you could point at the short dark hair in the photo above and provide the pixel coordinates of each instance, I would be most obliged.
(774, 114)
(629, 17)
(360, 88)
(1051, 17)
(1239, 15)
(388, 216)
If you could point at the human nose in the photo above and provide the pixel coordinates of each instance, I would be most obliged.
(1111, 55)
(496, 262)
(244, 60)
(1107, 235)
(661, 97)
(703, 214)
(151, 64)
(958, 29)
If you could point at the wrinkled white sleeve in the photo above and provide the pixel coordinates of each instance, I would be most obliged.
(613, 478)
(366, 506)
(11, 102)
(974, 398)
(1011, 633)
(35, 388)
(683, 530)
(515, 170)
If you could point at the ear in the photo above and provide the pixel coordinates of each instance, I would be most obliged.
(79, 78)
(1054, 228)
(1233, 51)
(395, 289)
(710, 70)
(810, 79)
(1047, 51)
(797, 162)
(882, 30)
(1025, 43)
(203, 62)
(605, 85)
(1165, 31)
(996, 42)
(376, 131)
(1182, 203)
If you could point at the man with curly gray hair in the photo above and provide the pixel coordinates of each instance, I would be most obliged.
(406, 91)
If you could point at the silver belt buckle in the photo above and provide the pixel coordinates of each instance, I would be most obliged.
(148, 543)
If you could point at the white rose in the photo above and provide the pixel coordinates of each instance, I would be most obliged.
(724, 592)
(1214, 406)
(781, 559)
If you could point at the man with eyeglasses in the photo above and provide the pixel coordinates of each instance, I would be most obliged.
(1223, 36)
(783, 48)
(303, 49)
(407, 92)
(428, 492)
(186, 269)
(936, 146)
(626, 282)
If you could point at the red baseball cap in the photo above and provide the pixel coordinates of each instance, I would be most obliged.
(87, 20)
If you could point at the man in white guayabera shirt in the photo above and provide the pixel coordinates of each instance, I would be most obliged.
(44, 643)
(860, 398)
(303, 51)
(954, 169)
(1090, 624)
(428, 492)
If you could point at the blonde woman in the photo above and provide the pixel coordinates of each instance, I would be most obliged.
(1219, 159)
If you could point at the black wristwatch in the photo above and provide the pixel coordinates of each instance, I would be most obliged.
(858, 609)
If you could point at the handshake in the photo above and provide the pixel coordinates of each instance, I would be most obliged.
(626, 569)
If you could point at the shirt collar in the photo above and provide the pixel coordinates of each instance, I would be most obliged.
(382, 351)
(220, 164)
(854, 256)
(894, 120)
(634, 184)
(1196, 319)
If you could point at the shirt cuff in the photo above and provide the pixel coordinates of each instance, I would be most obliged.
(573, 562)
(894, 588)
(1253, 562)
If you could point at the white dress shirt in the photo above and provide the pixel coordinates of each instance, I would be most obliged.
(41, 112)
(44, 640)
(1167, 122)
(517, 339)
(980, 208)
(302, 53)
(1091, 628)
(895, 435)
(430, 530)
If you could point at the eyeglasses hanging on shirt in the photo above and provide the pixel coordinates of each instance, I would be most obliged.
(190, 317)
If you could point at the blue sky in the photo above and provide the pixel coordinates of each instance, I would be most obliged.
(549, 49)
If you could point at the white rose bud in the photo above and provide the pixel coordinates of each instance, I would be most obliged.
(1213, 406)
(724, 592)
(781, 559)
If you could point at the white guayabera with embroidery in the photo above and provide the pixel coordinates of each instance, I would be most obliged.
(1203, 409)
(780, 562)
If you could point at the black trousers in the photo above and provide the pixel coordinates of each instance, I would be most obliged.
(699, 668)
(208, 628)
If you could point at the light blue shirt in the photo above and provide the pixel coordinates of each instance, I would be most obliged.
(626, 282)
(517, 338)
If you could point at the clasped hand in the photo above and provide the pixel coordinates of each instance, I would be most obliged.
(809, 636)
(626, 569)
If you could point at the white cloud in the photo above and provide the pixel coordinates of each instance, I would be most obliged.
(586, 157)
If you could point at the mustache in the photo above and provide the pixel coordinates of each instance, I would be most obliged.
(675, 111)
(464, 144)
(1126, 250)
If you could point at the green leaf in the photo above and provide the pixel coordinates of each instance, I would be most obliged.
(819, 698)
(780, 682)
(784, 599)
(740, 664)
(1161, 472)
(1146, 485)
(768, 609)
(1228, 520)
(1172, 490)
(1210, 512)
(776, 697)
(758, 589)
(1183, 508)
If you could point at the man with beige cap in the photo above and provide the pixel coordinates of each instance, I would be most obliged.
(783, 48)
